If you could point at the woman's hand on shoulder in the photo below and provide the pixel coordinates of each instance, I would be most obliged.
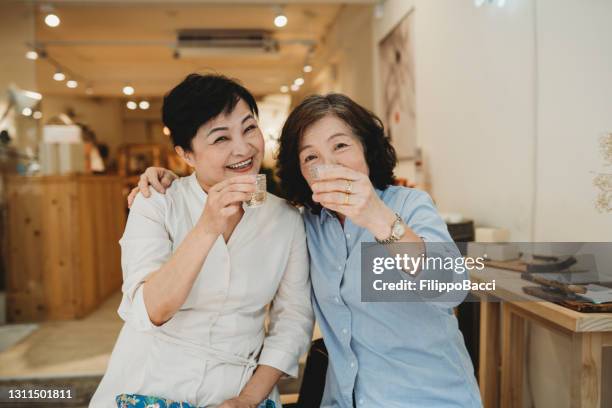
(157, 177)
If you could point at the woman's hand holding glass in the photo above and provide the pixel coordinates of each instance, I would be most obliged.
(351, 194)
(225, 200)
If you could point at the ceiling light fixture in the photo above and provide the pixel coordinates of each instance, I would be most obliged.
(52, 20)
(131, 105)
(26, 111)
(284, 89)
(144, 105)
(299, 81)
(295, 87)
(59, 76)
(128, 90)
(281, 19)
(31, 55)
(71, 83)
(307, 68)
(37, 115)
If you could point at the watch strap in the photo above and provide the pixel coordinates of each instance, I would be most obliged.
(391, 237)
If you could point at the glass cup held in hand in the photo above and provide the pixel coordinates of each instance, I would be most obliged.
(317, 170)
(258, 198)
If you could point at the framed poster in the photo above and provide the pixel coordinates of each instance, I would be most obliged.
(396, 53)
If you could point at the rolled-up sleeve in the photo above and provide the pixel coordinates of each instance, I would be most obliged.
(145, 247)
(421, 215)
(291, 315)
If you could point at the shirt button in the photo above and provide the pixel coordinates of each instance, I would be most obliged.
(348, 236)
(344, 331)
(360, 401)
(352, 364)
(339, 267)
(337, 299)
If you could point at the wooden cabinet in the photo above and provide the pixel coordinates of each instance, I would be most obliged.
(63, 256)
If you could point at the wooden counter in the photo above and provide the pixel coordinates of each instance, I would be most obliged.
(63, 252)
(509, 308)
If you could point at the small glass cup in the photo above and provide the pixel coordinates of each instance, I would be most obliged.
(258, 198)
(315, 171)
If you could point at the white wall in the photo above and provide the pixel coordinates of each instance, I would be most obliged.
(344, 61)
(475, 106)
(510, 105)
(574, 110)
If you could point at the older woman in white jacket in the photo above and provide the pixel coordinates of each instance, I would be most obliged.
(200, 269)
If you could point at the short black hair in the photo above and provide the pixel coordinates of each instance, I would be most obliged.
(379, 153)
(198, 99)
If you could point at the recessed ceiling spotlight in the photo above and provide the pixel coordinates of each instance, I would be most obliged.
(128, 90)
(284, 89)
(307, 68)
(131, 105)
(299, 81)
(26, 111)
(37, 115)
(52, 20)
(31, 55)
(281, 19)
(295, 87)
(144, 105)
(59, 75)
(71, 83)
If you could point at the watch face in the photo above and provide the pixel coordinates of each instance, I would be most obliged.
(398, 230)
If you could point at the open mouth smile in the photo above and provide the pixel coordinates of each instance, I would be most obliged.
(243, 165)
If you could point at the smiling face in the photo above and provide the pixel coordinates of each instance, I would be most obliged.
(330, 141)
(226, 146)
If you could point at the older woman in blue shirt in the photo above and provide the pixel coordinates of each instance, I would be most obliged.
(391, 354)
(381, 354)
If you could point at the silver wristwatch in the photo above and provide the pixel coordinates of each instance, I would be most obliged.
(397, 231)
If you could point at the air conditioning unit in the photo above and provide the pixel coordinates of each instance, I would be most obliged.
(206, 42)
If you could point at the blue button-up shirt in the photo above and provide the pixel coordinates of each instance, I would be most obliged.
(385, 354)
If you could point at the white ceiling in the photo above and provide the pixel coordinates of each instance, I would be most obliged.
(111, 44)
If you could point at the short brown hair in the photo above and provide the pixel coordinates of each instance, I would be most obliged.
(379, 153)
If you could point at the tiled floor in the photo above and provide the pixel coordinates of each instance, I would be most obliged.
(11, 334)
(65, 348)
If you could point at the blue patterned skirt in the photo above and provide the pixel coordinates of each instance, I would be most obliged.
(144, 401)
